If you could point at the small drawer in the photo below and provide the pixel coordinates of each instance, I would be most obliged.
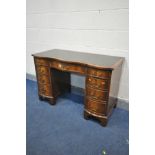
(44, 89)
(42, 70)
(43, 79)
(57, 65)
(98, 94)
(95, 106)
(98, 83)
(40, 61)
(67, 67)
(98, 73)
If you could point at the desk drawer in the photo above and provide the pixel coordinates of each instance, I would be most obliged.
(98, 73)
(40, 61)
(98, 83)
(43, 79)
(42, 70)
(98, 94)
(44, 89)
(68, 67)
(95, 106)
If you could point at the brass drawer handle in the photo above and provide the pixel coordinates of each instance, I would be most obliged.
(60, 65)
(89, 79)
(103, 82)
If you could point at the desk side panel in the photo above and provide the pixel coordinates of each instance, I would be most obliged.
(114, 86)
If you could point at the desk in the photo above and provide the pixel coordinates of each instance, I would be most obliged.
(53, 68)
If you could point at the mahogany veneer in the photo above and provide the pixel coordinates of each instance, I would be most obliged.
(102, 73)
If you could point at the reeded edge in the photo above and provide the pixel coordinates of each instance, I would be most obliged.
(101, 116)
(46, 96)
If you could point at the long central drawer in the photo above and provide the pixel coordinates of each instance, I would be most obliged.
(68, 67)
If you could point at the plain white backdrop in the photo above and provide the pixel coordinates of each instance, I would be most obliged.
(13, 78)
(142, 77)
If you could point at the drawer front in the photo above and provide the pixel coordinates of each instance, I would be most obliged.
(98, 94)
(95, 106)
(43, 79)
(98, 83)
(98, 73)
(67, 67)
(57, 65)
(44, 89)
(75, 68)
(40, 61)
(42, 70)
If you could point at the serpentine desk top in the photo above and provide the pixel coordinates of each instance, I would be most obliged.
(90, 59)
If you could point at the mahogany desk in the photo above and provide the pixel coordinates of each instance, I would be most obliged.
(102, 74)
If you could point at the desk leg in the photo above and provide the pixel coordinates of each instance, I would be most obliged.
(115, 105)
(86, 115)
(103, 121)
(41, 98)
(52, 101)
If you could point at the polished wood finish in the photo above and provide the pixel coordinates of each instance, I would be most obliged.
(102, 73)
(99, 73)
(95, 106)
(42, 70)
(68, 67)
(97, 94)
(102, 84)
(41, 61)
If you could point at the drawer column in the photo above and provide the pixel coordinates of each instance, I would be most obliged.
(45, 90)
(97, 94)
